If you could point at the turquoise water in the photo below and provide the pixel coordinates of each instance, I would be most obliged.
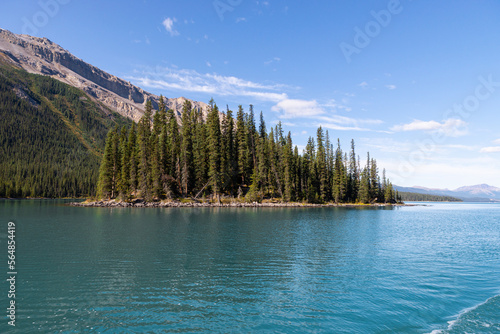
(320, 270)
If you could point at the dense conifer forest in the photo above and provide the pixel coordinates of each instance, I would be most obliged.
(53, 140)
(232, 156)
(51, 137)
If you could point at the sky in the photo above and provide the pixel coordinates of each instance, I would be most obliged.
(414, 82)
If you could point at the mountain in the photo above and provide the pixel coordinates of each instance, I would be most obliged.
(52, 136)
(41, 56)
(476, 193)
(418, 197)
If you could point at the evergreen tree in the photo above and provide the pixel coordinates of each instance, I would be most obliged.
(364, 187)
(288, 174)
(200, 152)
(251, 135)
(134, 167)
(214, 149)
(124, 184)
(173, 170)
(242, 146)
(321, 164)
(186, 152)
(228, 167)
(105, 184)
(161, 159)
(310, 176)
(339, 176)
(262, 167)
(374, 180)
(144, 153)
(353, 176)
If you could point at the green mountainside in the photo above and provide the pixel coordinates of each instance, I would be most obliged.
(417, 197)
(52, 136)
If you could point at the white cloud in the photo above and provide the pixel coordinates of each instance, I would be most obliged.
(391, 87)
(337, 122)
(333, 126)
(298, 108)
(491, 149)
(192, 81)
(168, 23)
(460, 147)
(364, 84)
(241, 19)
(208, 64)
(275, 59)
(348, 120)
(497, 141)
(294, 108)
(174, 79)
(451, 127)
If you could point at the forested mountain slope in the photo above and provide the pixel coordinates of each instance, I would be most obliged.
(52, 136)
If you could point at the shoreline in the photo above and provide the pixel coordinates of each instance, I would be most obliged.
(180, 204)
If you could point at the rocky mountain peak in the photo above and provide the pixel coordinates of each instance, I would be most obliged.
(42, 56)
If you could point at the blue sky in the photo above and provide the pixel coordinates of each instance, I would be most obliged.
(416, 83)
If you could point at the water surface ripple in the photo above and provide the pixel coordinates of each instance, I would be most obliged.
(282, 270)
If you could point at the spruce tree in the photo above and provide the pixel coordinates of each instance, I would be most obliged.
(200, 152)
(374, 180)
(134, 167)
(288, 167)
(105, 185)
(214, 149)
(186, 157)
(124, 184)
(173, 147)
(353, 175)
(364, 187)
(321, 165)
(339, 176)
(242, 146)
(144, 153)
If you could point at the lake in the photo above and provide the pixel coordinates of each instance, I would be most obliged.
(416, 269)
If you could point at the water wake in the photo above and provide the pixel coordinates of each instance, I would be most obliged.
(482, 318)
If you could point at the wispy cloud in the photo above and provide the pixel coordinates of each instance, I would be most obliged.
(241, 19)
(274, 60)
(497, 141)
(451, 127)
(491, 149)
(168, 23)
(364, 84)
(291, 108)
(193, 81)
(338, 122)
(320, 115)
(391, 87)
(287, 108)
(138, 41)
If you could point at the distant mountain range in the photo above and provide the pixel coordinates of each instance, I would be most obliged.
(477, 193)
(41, 56)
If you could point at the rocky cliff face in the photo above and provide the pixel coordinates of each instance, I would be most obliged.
(41, 56)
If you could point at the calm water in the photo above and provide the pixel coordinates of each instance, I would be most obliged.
(404, 270)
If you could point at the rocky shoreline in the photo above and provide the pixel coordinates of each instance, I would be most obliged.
(199, 204)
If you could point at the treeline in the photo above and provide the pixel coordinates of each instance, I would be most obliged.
(52, 137)
(417, 197)
(226, 156)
